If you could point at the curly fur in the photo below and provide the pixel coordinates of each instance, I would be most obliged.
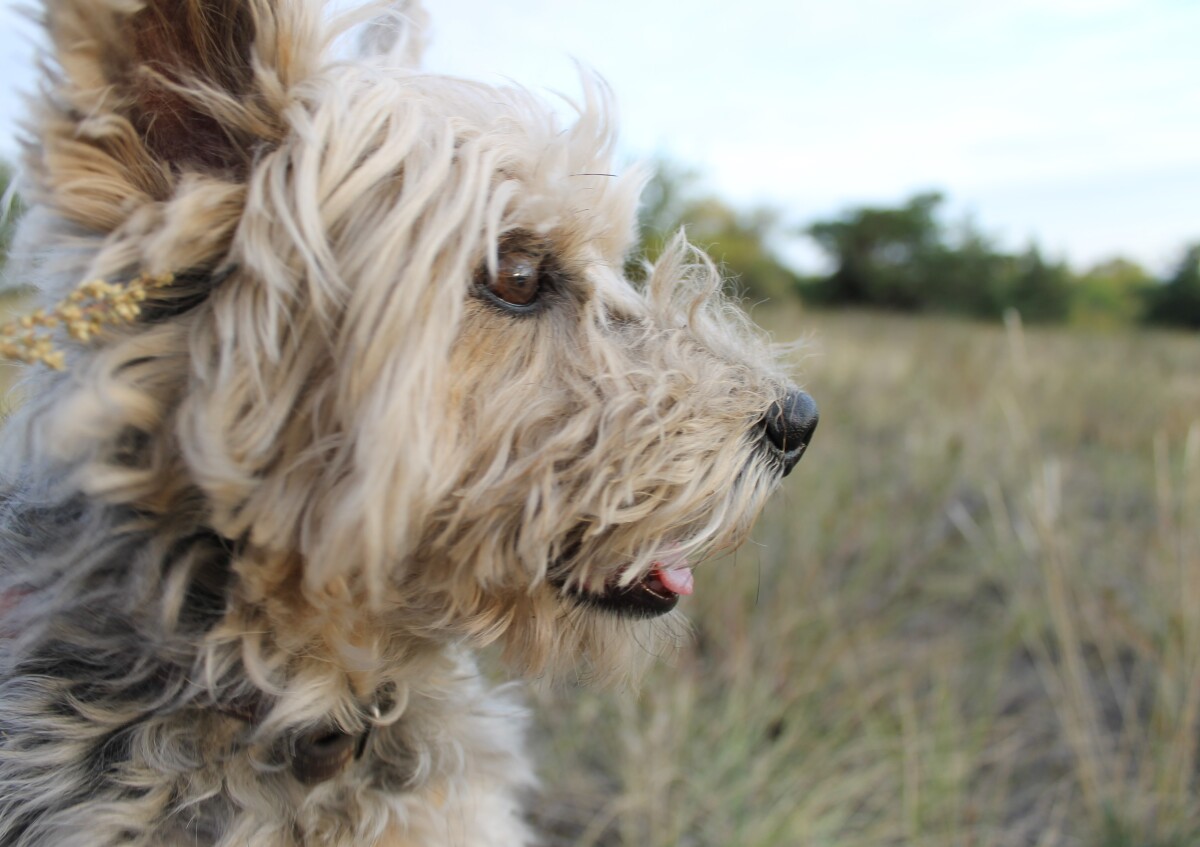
(321, 470)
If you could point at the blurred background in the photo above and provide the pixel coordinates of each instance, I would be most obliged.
(972, 617)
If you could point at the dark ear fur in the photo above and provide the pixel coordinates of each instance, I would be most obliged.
(191, 60)
(138, 94)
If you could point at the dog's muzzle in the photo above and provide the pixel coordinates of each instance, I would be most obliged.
(788, 427)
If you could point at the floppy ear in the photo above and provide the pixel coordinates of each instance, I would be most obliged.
(137, 95)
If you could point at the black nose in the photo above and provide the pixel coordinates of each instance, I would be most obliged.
(788, 426)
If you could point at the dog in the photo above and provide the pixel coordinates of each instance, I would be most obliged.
(347, 382)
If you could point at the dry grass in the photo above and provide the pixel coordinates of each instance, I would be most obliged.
(972, 618)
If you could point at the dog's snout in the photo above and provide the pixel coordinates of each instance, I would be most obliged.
(788, 426)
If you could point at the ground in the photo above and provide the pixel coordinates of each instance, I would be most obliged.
(972, 617)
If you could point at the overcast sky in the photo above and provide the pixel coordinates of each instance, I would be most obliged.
(1072, 122)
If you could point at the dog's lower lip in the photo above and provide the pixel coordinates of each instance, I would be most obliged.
(654, 584)
(656, 593)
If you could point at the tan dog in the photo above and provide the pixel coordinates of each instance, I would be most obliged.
(367, 390)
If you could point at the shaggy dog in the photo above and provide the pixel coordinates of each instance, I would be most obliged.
(355, 386)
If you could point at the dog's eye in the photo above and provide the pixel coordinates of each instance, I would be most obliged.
(322, 754)
(518, 279)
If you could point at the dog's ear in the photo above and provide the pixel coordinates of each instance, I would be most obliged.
(139, 94)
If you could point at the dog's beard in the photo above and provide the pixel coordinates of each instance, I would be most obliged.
(601, 596)
(599, 572)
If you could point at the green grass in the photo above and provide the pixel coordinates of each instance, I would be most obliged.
(972, 616)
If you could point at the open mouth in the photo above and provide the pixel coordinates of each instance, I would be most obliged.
(655, 594)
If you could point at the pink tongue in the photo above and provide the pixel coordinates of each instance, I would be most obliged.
(676, 579)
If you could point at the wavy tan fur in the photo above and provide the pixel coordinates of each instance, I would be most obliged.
(321, 470)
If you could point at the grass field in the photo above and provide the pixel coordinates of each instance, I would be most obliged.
(971, 618)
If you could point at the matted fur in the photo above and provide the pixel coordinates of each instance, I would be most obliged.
(321, 469)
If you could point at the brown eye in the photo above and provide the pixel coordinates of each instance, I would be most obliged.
(518, 279)
(322, 754)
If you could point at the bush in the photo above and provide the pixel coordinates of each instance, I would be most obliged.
(1177, 301)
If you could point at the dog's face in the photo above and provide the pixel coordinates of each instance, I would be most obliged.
(402, 366)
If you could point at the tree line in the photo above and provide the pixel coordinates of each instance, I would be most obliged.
(902, 257)
(907, 258)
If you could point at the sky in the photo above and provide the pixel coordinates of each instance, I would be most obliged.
(1074, 124)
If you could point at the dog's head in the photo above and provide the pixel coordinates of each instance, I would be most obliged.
(401, 368)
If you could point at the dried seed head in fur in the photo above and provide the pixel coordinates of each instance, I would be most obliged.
(84, 314)
(399, 402)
